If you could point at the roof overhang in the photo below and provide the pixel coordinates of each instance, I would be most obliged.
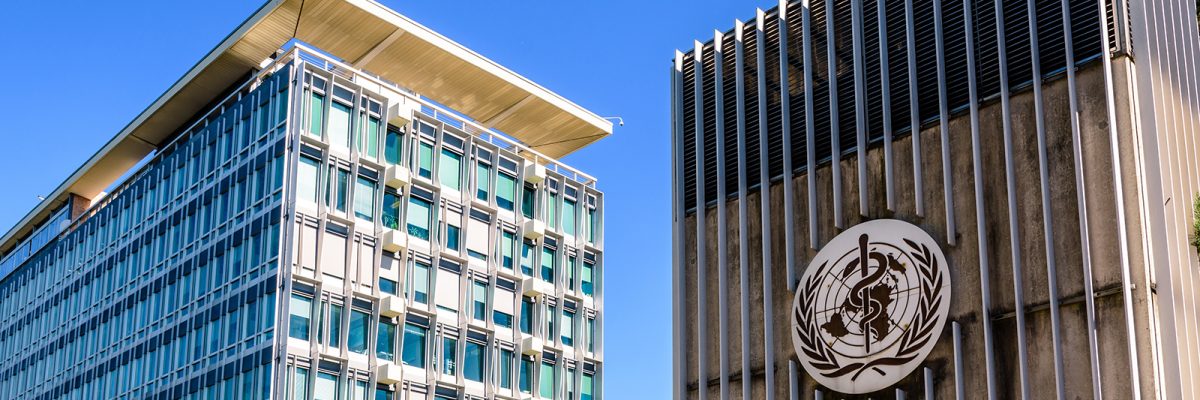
(364, 34)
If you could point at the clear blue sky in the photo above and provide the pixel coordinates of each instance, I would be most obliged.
(78, 71)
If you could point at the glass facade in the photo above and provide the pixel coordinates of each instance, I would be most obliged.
(277, 210)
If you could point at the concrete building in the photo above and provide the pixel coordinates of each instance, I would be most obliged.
(302, 216)
(1048, 146)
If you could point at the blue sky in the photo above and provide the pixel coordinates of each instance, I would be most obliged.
(78, 71)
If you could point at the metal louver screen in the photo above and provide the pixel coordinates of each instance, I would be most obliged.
(827, 125)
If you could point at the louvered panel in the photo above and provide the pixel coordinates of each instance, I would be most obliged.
(822, 136)
(709, 134)
(927, 83)
(729, 88)
(1016, 44)
(897, 42)
(843, 42)
(688, 97)
(987, 57)
(795, 64)
(1086, 28)
(773, 97)
(874, 84)
(750, 65)
(1051, 45)
(955, 40)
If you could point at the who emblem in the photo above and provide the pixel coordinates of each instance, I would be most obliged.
(870, 306)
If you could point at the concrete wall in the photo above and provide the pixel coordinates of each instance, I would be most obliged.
(966, 306)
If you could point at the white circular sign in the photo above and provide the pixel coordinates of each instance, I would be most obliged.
(870, 306)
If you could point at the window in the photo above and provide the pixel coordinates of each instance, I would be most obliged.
(552, 209)
(452, 235)
(369, 141)
(335, 325)
(339, 124)
(506, 361)
(591, 334)
(391, 210)
(508, 242)
(568, 222)
(419, 282)
(449, 348)
(301, 314)
(360, 390)
(358, 331)
(336, 196)
(418, 217)
(364, 199)
(571, 265)
(527, 198)
(551, 310)
(479, 294)
(483, 180)
(473, 362)
(592, 223)
(502, 319)
(316, 121)
(588, 387)
(307, 179)
(414, 345)
(546, 380)
(568, 327)
(527, 258)
(526, 315)
(588, 278)
(387, 286)
(450, 170)
(393, 147)
(384, 348)
(570, 383)
(425, 160)
(506, 191)
(548, 264)
(327, 387)
(300, 384)
(382, 393)
(526, 372)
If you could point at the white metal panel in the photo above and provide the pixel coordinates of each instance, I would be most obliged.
(447, 289)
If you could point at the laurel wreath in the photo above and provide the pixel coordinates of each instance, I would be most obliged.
(822, 358)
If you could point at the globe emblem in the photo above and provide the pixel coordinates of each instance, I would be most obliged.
(870, 306)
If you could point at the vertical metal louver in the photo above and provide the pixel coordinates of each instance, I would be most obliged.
(729, 103)
(843, 43)
(688, 102)
(820, 44)
(897, 42)
(872, 60)
(1048, 18)
(750, 82)
(795, 65)
(774, 99)
(709, 91)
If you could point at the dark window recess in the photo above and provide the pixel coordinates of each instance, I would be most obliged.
(822, 144)
(897, 42)
(955, 41)
(795, 68)
(927, 83)
(729, 103)
(773, 96)
(987, 57)
(688, 97)
(843, 44)
(709, 92)
(1051, 42)
(1016, 44)
(872, 77)
(1086, 28)
(750, 83)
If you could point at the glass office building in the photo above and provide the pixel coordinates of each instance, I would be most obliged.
(318, 231)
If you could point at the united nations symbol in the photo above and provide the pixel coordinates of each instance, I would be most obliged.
(870, 306)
